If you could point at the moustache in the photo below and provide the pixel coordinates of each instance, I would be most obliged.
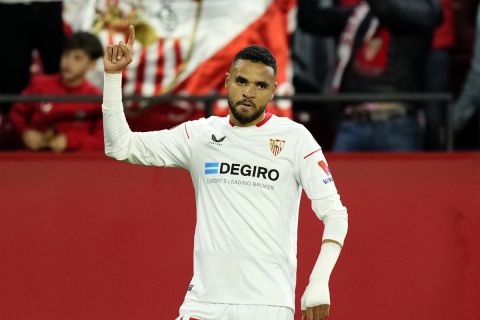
(246, 103)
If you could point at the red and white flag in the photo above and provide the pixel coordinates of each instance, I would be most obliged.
(186, 47)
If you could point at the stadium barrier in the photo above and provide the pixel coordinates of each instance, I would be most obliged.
(209, 101)
(86, 237)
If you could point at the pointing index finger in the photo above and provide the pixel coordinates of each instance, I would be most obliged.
(131, 36)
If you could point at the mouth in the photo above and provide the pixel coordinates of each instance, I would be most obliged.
(245, 103)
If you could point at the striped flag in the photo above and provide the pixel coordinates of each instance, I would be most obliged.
(186, 47)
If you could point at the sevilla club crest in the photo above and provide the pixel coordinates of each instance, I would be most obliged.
(276, 146)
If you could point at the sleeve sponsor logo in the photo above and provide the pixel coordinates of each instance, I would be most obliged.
(323, 164)
(324, 167)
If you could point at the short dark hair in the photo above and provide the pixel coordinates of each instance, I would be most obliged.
(257, 54)
(87, 42)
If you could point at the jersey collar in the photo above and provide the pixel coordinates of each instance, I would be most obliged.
(268, 115)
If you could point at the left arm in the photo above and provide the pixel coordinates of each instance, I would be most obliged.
(316, 299)
(317, 181)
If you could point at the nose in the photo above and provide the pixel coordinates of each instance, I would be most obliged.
(249, 91)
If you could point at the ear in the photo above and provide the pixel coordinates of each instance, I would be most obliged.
(227, 79)
(274, 89)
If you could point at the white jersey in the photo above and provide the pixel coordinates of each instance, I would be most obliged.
(248, 183)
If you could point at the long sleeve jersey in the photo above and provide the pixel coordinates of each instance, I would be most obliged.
(248, 183)
(81, 122)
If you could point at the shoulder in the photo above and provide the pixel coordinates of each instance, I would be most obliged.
(296, 133)
(197, 128)
(284, 123)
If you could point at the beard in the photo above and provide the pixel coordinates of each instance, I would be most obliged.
(244, 118)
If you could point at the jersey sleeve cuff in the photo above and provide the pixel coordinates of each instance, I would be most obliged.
(112, 90)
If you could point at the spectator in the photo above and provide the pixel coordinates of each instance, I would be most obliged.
(382, 46)
(61, 126)
(27, 25)
(313, 60)
(466, 109)
(438, 80)
(31, 25)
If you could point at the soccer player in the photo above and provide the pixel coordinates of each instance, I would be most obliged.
(248, 170)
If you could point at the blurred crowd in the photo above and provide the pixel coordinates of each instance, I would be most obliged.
(358, 49)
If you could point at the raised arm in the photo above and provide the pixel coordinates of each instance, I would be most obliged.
(166, 148)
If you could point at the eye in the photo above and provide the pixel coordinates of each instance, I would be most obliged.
(241, 81)
(262, 86)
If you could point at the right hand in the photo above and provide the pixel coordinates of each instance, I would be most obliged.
(34, 140)
(118, 56)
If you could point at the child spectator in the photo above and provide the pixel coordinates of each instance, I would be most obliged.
(62, 126)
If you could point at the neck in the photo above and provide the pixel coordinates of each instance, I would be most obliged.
(248, 124)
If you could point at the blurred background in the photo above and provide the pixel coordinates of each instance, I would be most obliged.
(389, 88)
(405, 72)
